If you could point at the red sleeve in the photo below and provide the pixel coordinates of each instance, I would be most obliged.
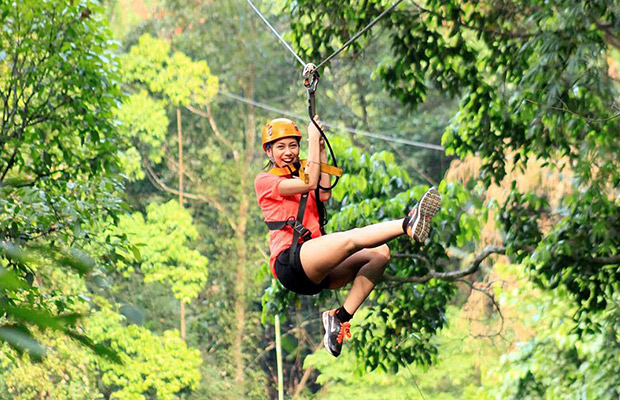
(266, 186)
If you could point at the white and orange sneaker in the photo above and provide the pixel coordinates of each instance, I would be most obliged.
(336, 332)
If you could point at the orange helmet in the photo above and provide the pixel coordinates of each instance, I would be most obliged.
(277, 129)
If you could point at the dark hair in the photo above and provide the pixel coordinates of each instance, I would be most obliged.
(269, 164)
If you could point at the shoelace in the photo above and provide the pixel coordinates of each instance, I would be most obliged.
(345, 332)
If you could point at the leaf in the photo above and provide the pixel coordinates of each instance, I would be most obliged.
(10, 281)
(18, 337)
(100, 349)
(79, 261)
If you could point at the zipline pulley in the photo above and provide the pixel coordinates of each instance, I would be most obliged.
(311, 81)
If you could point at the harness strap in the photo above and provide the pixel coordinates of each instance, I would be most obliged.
(294, 224)
(300, 219)
(299, 230)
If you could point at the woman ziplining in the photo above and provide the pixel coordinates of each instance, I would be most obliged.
(303, 258)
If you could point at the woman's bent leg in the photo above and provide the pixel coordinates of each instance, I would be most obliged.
(364, 268)
(320, 256)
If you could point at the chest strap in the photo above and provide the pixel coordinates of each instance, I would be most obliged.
(300, 168)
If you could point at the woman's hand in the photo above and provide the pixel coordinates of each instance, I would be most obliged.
(313, 132)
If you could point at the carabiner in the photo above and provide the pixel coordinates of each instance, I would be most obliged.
(311, 77)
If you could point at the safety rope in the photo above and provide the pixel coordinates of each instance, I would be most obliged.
(360, 33)
(276, 33)
(311, 81)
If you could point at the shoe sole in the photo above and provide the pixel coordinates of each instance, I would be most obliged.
(325, 338)
(427, 208)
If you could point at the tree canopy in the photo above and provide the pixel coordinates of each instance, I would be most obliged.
(511, 108)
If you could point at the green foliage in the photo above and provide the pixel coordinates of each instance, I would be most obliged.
(58, 90)
(153, 366)
(144, 62)
(144, 122)
(459, 372)
(560, 362)
(182, 81)
(161, 249)
(523, 80)
(176, 78)
(341, 382)
(185, 82)
(65, 374)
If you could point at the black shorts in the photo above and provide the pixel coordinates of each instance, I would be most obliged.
(293, 277)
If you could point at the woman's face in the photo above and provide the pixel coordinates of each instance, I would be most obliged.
(284, 151)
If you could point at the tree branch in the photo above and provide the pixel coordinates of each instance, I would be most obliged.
(157, 182)
(607, 31)
(611, 260)
(304, 379)
(215, 129)
(568, 110)
(451, 275)
(491, 297)
(475, 265)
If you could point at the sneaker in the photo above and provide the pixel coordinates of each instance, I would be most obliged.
(419, 224)
(336, 332)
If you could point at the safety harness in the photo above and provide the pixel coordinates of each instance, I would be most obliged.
(311, 80)
(299, 230)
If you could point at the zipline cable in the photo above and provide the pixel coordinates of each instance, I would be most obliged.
(354, 131)
(360, 33)
(276, 33)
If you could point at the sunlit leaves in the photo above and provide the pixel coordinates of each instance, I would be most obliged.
(185, 82)
(150, 363)
(172, 80)
(162, 243)
(145, 362)
(182, 81)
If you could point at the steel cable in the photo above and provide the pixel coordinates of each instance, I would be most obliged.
(276, 33)
(379, 136)
(360, 33)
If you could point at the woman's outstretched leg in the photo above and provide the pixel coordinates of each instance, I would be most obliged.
(322, 255)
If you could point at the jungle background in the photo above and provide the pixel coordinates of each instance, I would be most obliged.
(133, 257)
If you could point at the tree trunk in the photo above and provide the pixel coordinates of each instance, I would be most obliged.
(242, 217)
(180, 140)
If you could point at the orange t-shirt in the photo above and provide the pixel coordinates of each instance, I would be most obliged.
(276, 207)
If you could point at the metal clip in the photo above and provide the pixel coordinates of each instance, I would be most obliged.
(311, 77)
